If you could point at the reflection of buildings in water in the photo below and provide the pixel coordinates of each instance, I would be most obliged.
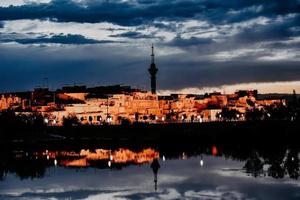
(86, 158)
(214, 150)
(155, 166)
(273, 162)
(183, 156)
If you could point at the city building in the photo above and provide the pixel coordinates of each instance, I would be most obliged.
(119, 104)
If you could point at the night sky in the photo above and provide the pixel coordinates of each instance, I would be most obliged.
(200, 45)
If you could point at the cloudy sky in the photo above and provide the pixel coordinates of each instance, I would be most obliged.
(201, 45)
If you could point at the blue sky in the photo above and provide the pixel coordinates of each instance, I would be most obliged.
(200, 44)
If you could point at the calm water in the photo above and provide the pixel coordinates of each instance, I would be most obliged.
(208, 172)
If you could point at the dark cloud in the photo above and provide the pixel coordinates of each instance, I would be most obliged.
(270, 32)
(170, 26)
(97, 64)
(122, 13)
(236, 11)
(108, 64)
(193, 41)
(1, 24)
(269, 35)
(212, 74)
(125, 13)
(281, 45)
(133, 35)
(60, 39)
(204, 30)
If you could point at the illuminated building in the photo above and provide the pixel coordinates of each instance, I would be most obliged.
(10, 101)
(133, 106)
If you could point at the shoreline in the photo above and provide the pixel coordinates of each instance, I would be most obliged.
(244, 133)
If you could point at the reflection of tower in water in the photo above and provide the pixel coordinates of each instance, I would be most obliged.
(155, 166)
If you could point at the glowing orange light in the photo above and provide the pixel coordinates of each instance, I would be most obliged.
(214, 150)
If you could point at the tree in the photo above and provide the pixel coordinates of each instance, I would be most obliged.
(254, 165)
(292, 164)
(136, 116)
(278, 112)
(229, 114)
(254, 114)
(125, 121)
(70, 121)
(152, 117)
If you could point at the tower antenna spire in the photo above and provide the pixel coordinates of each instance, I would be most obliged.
(152, 54)
(153, 70)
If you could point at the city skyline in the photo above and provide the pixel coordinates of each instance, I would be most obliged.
(200, 45)
(149, 99)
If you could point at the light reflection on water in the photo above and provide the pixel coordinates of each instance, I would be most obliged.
(205, 173)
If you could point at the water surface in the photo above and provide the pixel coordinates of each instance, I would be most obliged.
(204, 172)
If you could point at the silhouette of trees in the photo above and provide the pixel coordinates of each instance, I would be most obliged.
(152, 117)
(278, 112)
(229, 114)
(292, 164)
(30, 169)
(279, 162)
(37, 120)
(276, 170)
(12, 122)
(8, 118)
(125, 121)
(273, 112)
(70, 121)
(254, 114)
(254, 165)
(24, 168)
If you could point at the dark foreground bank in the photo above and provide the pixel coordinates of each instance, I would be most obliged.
(257, 132)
